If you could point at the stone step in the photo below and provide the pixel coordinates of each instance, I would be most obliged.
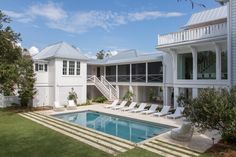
(159, 152)
(176, 148)
(81, 135)
(170, 151)
(95, 145)
(179, 146)
(125, 143)
(102, 137)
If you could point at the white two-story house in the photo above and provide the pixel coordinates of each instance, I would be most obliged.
(199, 55)
(59, 67)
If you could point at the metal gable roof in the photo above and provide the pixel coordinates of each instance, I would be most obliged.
(129, 56)
(208, 16)
(60, 50)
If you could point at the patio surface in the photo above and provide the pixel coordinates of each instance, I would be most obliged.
(199, 143)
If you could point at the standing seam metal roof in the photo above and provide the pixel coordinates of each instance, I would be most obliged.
(60, 50)
(208, 16)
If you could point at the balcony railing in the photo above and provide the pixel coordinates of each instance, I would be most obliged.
(111, 78)
(123, 78)
(139, 78)
(155, 77)
(193, 34)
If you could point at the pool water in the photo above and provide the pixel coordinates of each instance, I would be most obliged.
(126, 128)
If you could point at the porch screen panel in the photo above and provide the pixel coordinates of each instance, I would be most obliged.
(124, 73)
(155, 72)
(111, 73)
(139, 72)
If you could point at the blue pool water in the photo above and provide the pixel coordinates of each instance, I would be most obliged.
(129, 129)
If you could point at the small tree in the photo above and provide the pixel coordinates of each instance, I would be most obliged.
(26, 79)
(101, 54)
(128, 96)
(72, 95)
(213, 109)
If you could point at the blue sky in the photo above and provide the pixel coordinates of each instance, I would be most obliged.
(92, 25)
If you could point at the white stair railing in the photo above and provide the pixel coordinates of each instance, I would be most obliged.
(104, 87)
(114, 92)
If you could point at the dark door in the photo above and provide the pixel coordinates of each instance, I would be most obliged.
(98, 72)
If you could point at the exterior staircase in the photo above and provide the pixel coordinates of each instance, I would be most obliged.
(104, 87)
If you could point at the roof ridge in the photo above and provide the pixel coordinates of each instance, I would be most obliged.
(58, 48)
(210, 9)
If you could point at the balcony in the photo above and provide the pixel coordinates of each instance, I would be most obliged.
(210, 31)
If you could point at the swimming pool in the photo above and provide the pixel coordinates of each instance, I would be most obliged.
(126, 128)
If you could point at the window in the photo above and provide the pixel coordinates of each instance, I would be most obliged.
(40, 67)
(64, 68)
(36, 67)
(224, 71)
(78, 68)
(71, 68)
(185, 66)
(206, 65)
(45, 67)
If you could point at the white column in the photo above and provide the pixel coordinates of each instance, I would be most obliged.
(146, 72)
(104, 71)
(174, 58)
(166, 96)
(164, 73)
(218, 62)
(130, 73)
(118, 91)
(176, 95)
(194, 92)
(116, 73)
(194, 54)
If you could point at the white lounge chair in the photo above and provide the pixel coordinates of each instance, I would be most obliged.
(122, 105)
(131, 107)
(140, 108)
(58, 107)
(177, 114)
(151, 110)
(71, 105)
(164, 111)
(184, 133)
(114, 103)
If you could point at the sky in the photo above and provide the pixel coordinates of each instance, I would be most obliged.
(93, 25)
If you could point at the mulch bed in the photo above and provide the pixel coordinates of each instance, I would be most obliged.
(18, 109)
(222, 149)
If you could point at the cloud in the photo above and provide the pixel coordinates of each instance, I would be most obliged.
(51, 11)
(81, 21)
(151, 15)
(33, 50)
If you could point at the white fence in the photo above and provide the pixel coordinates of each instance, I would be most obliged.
(6, 101)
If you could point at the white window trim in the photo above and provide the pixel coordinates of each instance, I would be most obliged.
(75, 68)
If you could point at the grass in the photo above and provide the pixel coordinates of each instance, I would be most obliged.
(23, 138)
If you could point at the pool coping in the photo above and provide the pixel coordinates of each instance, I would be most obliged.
(199, 142)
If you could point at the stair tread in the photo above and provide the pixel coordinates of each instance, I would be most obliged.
(175, 148)
(157, 151)
(167, 150)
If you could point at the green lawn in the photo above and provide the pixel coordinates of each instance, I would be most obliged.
(20, 137)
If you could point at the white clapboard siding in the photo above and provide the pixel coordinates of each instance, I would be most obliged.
(233, 39)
